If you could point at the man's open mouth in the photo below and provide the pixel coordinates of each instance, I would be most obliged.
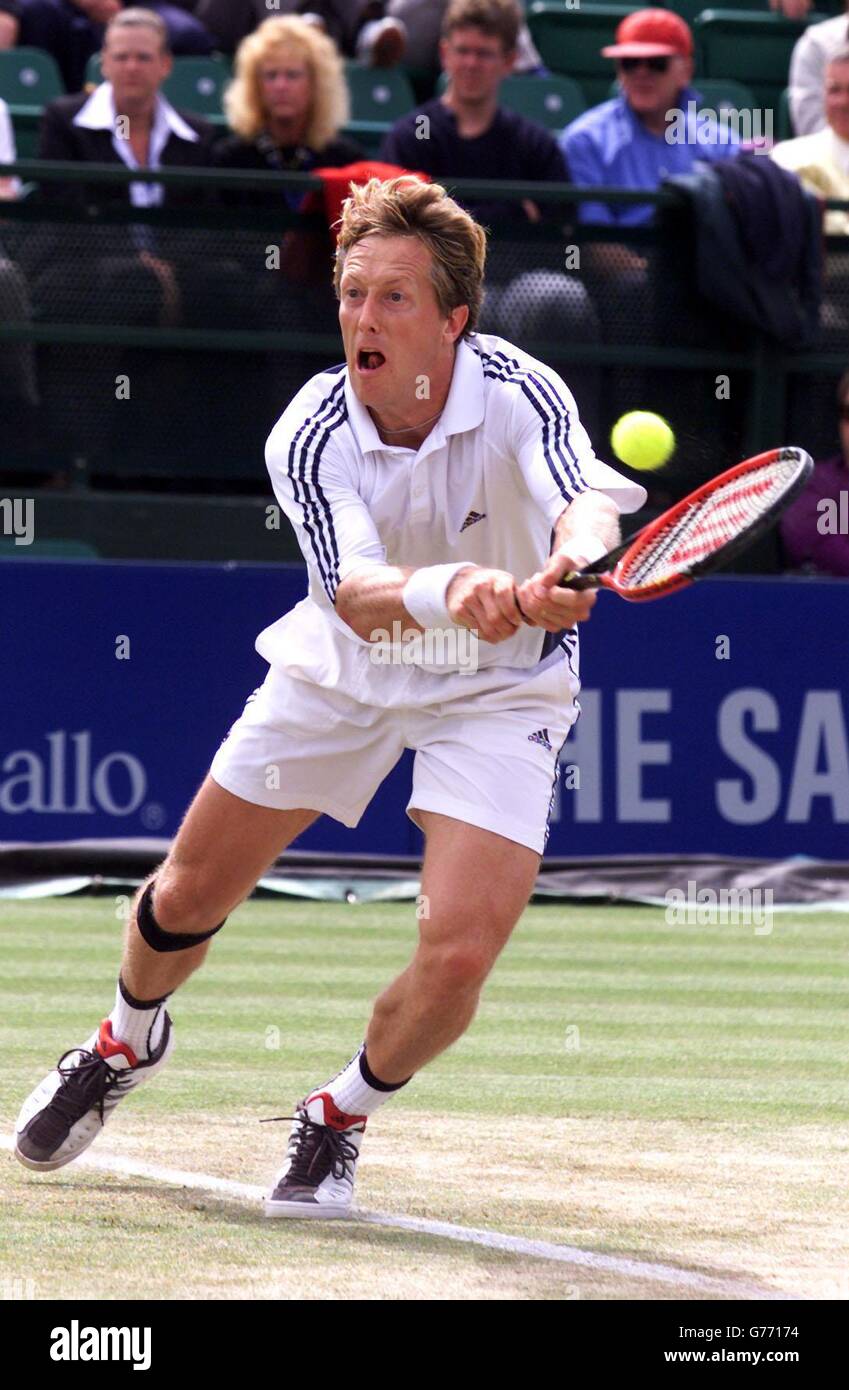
(369, 361)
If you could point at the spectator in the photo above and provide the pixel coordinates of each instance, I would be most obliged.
(73, 30)
(465, 133)
(632, 141)
(382, 40)
(286, 107)
(821, 160)
(136, 61)
(649, 132)
(421, 21)
(232, 20)
(810, 57)
(813, 528)
(148, 275)
(9, 23)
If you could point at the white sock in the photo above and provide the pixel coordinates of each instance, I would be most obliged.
(355, 1090)
(137, 1023)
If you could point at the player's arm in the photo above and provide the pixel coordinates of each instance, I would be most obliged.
(434, 596)
(579, 495)
(318, 490)
(584, 531)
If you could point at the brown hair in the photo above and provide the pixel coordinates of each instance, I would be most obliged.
(405, 206)
(499, 19)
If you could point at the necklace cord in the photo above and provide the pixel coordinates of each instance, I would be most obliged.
(406, 428)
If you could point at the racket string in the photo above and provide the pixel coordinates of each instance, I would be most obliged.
(709, 523)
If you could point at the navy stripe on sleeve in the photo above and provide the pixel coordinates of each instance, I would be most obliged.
(553, 412)
(303, 466)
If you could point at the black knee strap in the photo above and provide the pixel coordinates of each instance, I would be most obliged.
(159, 940)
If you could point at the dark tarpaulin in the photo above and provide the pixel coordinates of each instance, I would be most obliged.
(83, 865)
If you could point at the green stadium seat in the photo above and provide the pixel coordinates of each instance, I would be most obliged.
(570, 41)
(378, 94)
(750, 46)
(720, 93)
(28, 77)
(550, 101)
(196, 84)
(369, 134)
(688, 9)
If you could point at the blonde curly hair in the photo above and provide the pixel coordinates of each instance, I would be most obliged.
(330, 107)
(405, 206)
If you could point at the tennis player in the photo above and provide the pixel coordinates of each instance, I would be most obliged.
(440, 484)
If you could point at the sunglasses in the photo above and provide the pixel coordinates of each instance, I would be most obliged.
(659, 64)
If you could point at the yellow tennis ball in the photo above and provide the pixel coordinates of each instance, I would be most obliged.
(642, 439)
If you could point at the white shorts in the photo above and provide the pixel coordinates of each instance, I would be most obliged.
(490, 759)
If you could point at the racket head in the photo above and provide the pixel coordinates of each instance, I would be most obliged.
(709, 526)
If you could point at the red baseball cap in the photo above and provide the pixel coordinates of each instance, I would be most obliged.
(651, 34)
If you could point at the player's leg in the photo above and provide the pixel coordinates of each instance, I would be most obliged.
(483, 787)
(295, 746)
(475, 887)
(223, 847)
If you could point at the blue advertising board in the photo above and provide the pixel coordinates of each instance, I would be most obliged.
(712, 721)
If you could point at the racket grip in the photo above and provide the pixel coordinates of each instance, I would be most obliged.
(578, 580)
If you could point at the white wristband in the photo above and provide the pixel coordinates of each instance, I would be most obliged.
(424, 594)
(584, 546)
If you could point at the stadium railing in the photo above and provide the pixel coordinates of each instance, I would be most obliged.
(169, 380)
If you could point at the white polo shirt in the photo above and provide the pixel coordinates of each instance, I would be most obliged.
(486, 486)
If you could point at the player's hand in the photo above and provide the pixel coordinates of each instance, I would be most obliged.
(546, 604)
(485, 601)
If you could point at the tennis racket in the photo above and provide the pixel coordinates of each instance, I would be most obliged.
(702, 531)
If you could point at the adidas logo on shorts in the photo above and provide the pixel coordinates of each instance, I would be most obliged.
(541, 736)
(472, 518)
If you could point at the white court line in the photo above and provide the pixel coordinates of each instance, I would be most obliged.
(491, 1240)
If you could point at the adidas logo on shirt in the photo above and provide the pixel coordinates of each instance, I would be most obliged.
(541, 736)
(472, 518)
